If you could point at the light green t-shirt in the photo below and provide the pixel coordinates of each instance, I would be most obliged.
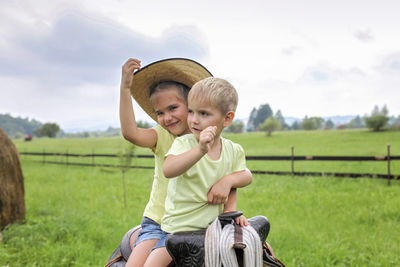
(186, 207)
(155, 207)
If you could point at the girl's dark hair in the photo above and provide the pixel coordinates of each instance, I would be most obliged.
(183, 89)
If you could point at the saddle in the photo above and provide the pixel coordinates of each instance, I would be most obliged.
(187, 249)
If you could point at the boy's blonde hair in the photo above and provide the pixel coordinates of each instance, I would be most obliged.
(218, 92)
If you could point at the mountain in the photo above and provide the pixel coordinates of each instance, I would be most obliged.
(337, 120)
(291, 120)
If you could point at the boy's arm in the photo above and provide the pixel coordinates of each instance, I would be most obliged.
(130, 131)
(175, 165)
(231, 205)
(220, 190)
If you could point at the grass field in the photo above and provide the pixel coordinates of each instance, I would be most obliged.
(305, 143)
(76, 215)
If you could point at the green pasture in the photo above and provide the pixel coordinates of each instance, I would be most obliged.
(304, 143)
(76, 215)
(333, 142)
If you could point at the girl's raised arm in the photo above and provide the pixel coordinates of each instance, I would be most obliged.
(130, 130)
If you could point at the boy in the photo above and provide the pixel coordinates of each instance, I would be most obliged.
(161, 89)
(197, 161)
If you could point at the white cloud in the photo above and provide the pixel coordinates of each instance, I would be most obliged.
(305, 58)
(364, 36)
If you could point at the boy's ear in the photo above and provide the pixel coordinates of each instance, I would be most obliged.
(229, 118)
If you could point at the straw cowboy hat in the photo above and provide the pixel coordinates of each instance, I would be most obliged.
(182, 70)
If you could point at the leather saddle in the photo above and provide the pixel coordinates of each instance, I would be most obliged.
(185, 248)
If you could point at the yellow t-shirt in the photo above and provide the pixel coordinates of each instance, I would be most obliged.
(155, 207)
(186, 207)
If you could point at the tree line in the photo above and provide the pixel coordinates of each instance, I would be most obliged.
(260, 119)
(17, 127)
(263, 119)
(21, 127)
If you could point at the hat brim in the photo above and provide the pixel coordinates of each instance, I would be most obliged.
(182, 70)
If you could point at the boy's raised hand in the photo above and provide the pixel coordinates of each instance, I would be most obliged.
(128, 69)
(206, 138)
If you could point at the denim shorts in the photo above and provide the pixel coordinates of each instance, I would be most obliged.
(151, 230)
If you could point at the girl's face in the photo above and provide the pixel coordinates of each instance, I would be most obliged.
(171, 110)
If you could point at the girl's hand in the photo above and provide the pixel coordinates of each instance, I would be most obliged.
(128, 69)
(206, 138)
(242, 221)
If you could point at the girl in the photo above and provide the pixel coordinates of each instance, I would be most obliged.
(161, 89)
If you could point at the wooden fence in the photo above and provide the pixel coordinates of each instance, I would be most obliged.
(292, 158)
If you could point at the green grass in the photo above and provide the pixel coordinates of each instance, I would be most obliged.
(328, 222)
(305, 143)
(322, 143)
(334, 142)
(76, 215)
(76, 145)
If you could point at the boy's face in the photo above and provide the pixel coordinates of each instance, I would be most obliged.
(203, 114)
(171, 110)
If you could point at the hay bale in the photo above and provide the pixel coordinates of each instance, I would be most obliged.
(12, 203)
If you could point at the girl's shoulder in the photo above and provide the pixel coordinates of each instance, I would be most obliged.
(164, 140)
(186, 139)
(162, 133)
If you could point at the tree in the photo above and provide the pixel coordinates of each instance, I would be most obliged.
(143, 124)
(48, 129)
(357, 122)
(15, 126)
(307, 124)
(271, 124)
(329, 124)
(378, 119)
(312, 123)
(281, 119)
(263, 113)
(295, 125)
(250, 122)
(236, 126)
(395, 122)
(125, 159)
(318, 121)
(258, 116)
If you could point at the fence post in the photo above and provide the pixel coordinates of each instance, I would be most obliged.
(66, 158)
(44, 160)
(92, 157)
(292, 160)
(388, 162)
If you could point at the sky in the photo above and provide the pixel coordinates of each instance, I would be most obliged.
(60, 61)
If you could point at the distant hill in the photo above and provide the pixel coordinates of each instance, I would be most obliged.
(337, 120)
(18, 127)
